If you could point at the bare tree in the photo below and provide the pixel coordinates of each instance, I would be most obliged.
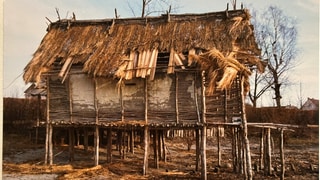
(276, 35)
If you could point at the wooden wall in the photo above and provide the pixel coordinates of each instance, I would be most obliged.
(169, 98)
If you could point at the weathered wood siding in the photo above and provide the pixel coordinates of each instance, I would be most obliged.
(82, 92)
(133, 97)
(161, 99)
(171, 98)
(108, 99)
(188, 89)
(223, 105)
(58, 98)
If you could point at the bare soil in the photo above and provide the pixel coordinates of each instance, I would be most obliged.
(24, 160)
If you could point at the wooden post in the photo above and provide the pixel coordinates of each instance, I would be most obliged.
(109, 145)
(47, 121)
(47, 144)
(261, 150)
(85, 139)
(38, 118)
(203, 87)
(282, 155)
(96, 146)
(50, 145)
(146, 101)
(177, 102)
(164, 152)
(196, 97)
(132, 141)
(197, 149)
(121, 103)
(155, 149)
(203, 153)
(245, 131)
(219, 149)
(146, 145)
(268, 151)
(159, 145)
(78, 137)
(71, 144)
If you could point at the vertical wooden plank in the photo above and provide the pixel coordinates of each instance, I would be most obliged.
(196, 97)
(132, 141)
(47, 145)
(154, 64)
(282, 155)
(261, 149)
(146, 145)
(245, 131)
(47, 121)
(71, 144)
(204, 108)
(121, 103)
(146, 101)
(225, 106)
(159, 132)
(50, 145)
(268, 151)
(109, 145)
(219, 149)
(38, 117)
(203, 153)
(78, 137)
(85, 139)
(96, 146)
(197, 149)
(234, 149)
(177, 95)
(164, 152)
(155, 149)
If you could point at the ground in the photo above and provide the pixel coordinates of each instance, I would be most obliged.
(24, 160)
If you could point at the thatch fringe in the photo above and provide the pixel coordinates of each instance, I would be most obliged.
(221, 70)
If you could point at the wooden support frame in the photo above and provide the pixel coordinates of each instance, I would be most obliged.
(203, 153)
(245, 131)
(109, 145)
(146, 150)
(177, 94)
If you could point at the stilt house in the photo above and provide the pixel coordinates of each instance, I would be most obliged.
(166, 72)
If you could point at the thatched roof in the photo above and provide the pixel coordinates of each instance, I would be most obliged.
(109, 47)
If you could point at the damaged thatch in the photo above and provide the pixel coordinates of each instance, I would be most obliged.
(128, 48)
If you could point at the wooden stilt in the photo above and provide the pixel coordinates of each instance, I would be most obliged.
(261, 166)
(164, 151)
(71, 144)
(155, 149)
(47, 144)
(203, 153)
(146, 145)
(50, 145)
(78, 137)
(219, 149)
(132, 141)
(109, 145)
(85, 139)
(245, 131)
(282, 155)
(268, 152)
(159, 146)
(197, 149)
(96, 146)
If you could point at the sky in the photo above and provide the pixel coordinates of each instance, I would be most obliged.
(25, 25)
